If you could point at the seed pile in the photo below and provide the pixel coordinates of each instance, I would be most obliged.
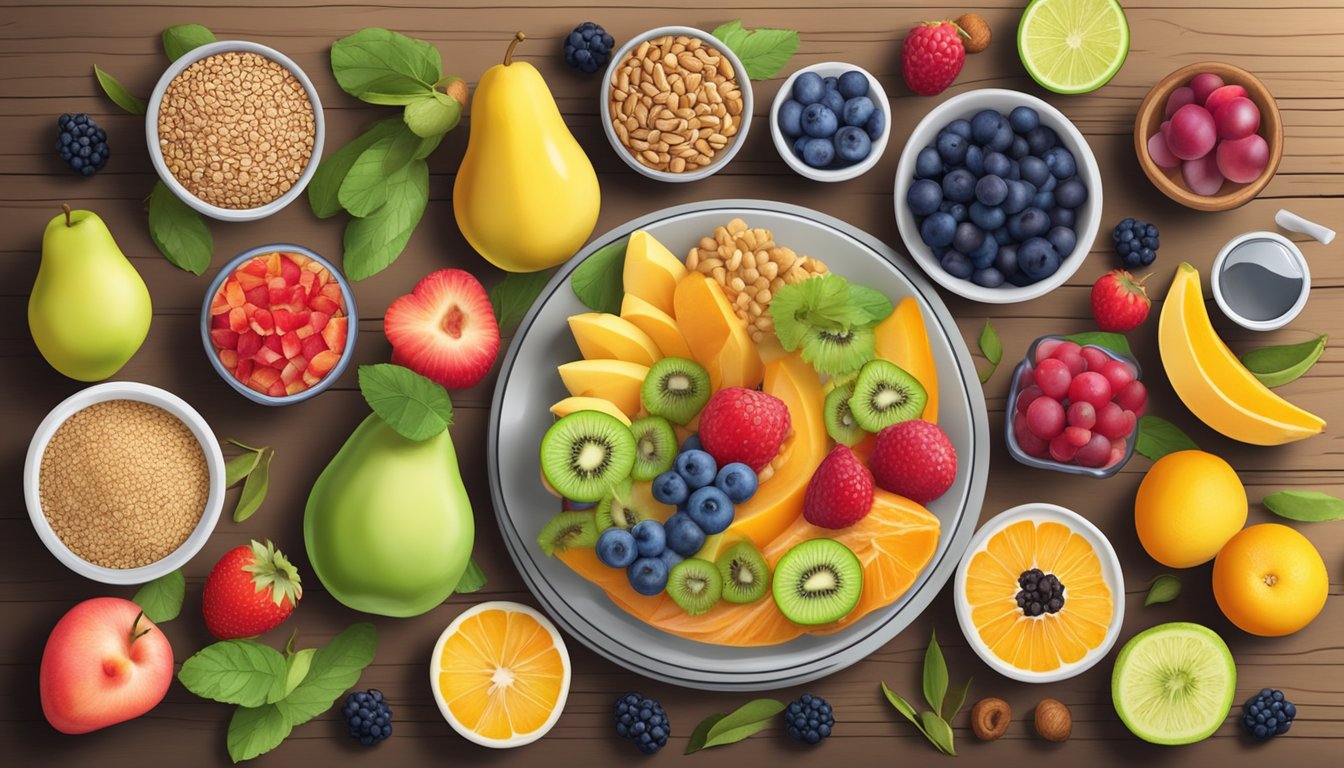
(123, 483)
(236, 129)
(1040, 593)
(675, 103)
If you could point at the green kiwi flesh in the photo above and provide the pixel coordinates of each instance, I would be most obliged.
(817, 582)
(745, 574)
(568, 530)
(676, 389)
(884, 394)
(655, 447)
(695, 585)
(840, 422)
(585, 453)
(838, 351)
(614, 510)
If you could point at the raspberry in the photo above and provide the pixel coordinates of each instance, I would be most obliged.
(588, 47)
(809, 718)
(81, 143)
(932, 57)
(840, 493)
(368, 717)
(746, 425)
(643, 721)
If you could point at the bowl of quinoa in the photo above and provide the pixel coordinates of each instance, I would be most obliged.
(124, 482)
(235, 129)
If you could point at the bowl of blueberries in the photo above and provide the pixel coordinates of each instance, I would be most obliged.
(830, 121)
(998, 196)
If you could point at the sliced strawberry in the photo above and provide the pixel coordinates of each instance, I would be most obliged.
(255, 267)
(273, 264)
(238, 319)
(220, 321)
(445, 329)
(268, 357)
(244, 369)
(320, 303)
(335, 332)
(233, 293)
(284, 319)
(223, 338)
(262, 322)
(295, 387)
(248, 282)
(277, 389)
(259, 296)
(310, 378)
(312, 345)
(219, 305)
(290, 345)
(289, 269)
(248, 344)
(322, 364)
(228, 358)
(308, 280)
(264, 377)
(290, 373)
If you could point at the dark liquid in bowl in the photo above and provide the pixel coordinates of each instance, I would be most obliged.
(1261, 279)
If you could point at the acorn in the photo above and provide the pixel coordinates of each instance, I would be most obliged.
(977, 35)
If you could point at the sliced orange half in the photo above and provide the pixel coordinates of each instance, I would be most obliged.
(500, 674)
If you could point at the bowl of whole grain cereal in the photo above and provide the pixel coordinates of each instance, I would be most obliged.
(124, 482)
(676, 104)
(235, 130)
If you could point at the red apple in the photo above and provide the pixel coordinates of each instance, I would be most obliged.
(104, 663)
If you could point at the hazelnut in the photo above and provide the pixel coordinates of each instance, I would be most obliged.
(990, 718)
(977, 35)
(1053, 721)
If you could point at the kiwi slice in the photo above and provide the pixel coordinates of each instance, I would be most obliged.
(695, 585)
(655, 447)
(817, 582)
(745, 574)
(836, 351)
(884, 394)
(614, 510)
(585, 453)
(840, 422)
(676, 389)
(568, 530)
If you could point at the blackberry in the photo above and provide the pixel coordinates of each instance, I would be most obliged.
(81, 143)
(1136, 243)
(1268, 714)
(643, 721)
(1040, 593)
(809, 718)
(588, 47)
(368, 716)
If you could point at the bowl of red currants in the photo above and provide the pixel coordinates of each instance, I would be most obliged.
(1074, 408)
(1209, 136)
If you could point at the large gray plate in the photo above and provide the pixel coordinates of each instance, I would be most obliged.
(528, 385)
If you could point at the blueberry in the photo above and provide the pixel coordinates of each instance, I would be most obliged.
(959, 212)
(1040, 139)
(928, 164)
(997, 164)
(1003, 139)
(877, 123)
(1063, 239)
(819, 153)
(696, 467)
(1061, 163)
(1017, 198)
(587, 47)
(650, 538)
(939, 252)
(853, 84)
(1014, 171)
(711, 509)
(648, 575)
(808, 88)
(819, 121)
(1044, 200)
(791, 118)
(1049, 186)
(991, 190)
(924, 197)
(617, 548)
(1034, 170)
(809, 719)
(831, 83)
(984, 125)
(956, 264)
(1019, 148)
(857, 110)
(959, 186)
(988, 218)
(1006, 259)
(1034, 222)
(938, 229)
(833, 101)
(368, 718)
(852, 144)
(1023, 119)
(975, 159)
(952, 148)
(1063, 217)
(983, 255)
(960, 127)
(968, 237)
(1071, 194)
(799, 144)
(988, 277)
(1001, 234)
(737, 481)
(684, 536)
(1037, 258)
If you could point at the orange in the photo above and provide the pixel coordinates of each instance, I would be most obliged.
(1052, 640)
(1189, 504)
(1269, 580)
(500, 674)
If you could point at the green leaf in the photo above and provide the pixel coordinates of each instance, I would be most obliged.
(1158, 437)
(335, 669)
(904, 707)
(254, 490)
(939, 732)
(1112, 341)
(179, 232)
(411, 404)
(433, 116)
(763, 52)
(472, 579)
(597, 282)
(242, 672)
(239, 467)
(375, 241)
(952, 706)
(935, 674)
(182, 39)
(380, 66)
(1164, 589)
(701, 733)
(118, 93)
(752, 717)
(256, 730)
(1276, 366)
(731, 34)
(873, 303)
(513, 296)
(990, 345)
(1305, 506)
(366, 185)
(819, 303)
(161, 599)
(297, 665)
(324, 189)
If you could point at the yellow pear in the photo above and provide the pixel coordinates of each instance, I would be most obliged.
(526, 196)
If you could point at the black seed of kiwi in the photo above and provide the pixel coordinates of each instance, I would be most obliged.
(884, 394)
(568, 530)
(695, 585)
(614, 510)
(837, 352)
(840, 422)
(655, 447)
(745, 574)
(585, 453)
(676, 389)
(817, 582)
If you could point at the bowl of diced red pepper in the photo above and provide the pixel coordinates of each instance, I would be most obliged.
(279, 324)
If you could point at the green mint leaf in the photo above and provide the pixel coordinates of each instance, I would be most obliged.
(182, 39)
(409, 403)
(952, 706)
(118, 93)
(904, 707)
(179, 232)
(334, 670)
(472, 579)
(380, 66)
(820, 303)
(297, 665)
(513, 296)
(939, 732)
(1104, 339)
(701, 733)
(731, 34)
(1304, 506)
(597, 282)
(752, 717)
(161, 599)
(254, 490)
(255, 731)
(242, 672)
(935, 674)
(433, 116)
(873, 303)
(239, 467)
(986, 372)
(325, 186)
(375, 241)
(763, 52)
(1276, 366)
(1165, 588)
(1158, 437)
(990, 345)
(366, 185)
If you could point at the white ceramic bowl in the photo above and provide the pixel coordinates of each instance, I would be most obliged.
(156, 153)
(1274, 323)
(1110, 568)
(720, 159)
(964, 106)
(784, 146)
(124, 390)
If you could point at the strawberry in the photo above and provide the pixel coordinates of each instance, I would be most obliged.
(1119, 302)
(445, 329)
(746, 425)
(932, 57)
(249, 591)
(840, 492)
(915, 459)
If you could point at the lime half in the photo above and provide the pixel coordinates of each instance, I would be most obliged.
(1073, 46)
(1174, 683)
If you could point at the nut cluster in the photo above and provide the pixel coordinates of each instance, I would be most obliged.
(751, 268)
(236, 129)
(675, 103)
(123, 483)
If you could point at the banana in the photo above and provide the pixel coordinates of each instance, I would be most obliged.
(1213, 383)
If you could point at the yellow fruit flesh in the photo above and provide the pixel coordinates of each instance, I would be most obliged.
(601, 336)
(902, 339)
(575, 404)
(615, 380)
(717, 337)
(657, 324)
(651, 272)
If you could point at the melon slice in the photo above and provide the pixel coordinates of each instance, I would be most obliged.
(618, 381)
(651, 272)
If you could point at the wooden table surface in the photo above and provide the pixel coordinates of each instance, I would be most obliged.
(47, 51)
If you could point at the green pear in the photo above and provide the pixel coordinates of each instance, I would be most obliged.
(89, 310)
(388, 525)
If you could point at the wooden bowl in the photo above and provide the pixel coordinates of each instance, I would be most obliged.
(1150, 118)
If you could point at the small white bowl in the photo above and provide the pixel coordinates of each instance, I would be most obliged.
(124, 390)
(1292, 252)
(156, 152)
(842, 173)
(721, 158)
(965, 106)
(1110, 569)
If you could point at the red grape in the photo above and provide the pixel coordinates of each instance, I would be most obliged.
(1090, 387)
(1053, 377)
(1081, 414)
(1095, 358)
(1077, 436)
(1134, 397)
(1029, 443)
(1179, 98)
(1236, 119)
(1075, 363)
(1192, 133)
(1114, 422)
(1045, 418)
(1046, 348)
(1062, 450)
(1065, 349)
(1202, 176)
(1095, 454)
(1204, 84)
(1221, 96)
(1243, 160)
(1160, 153)
(1118, 373)
(1025, 396)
